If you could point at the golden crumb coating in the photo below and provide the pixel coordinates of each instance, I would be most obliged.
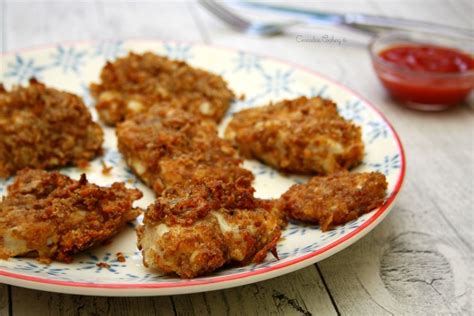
(195, 229)
(303, 135)
(132, 84)
(43, 128)
(166, 147)
(335, 199)
(50, 216)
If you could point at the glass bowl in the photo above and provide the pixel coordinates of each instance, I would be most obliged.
(422, 89)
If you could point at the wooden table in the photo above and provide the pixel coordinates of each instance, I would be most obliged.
(418, 261)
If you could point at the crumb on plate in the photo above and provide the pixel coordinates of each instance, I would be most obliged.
(103, 265)
(120, 257)
(105, 169)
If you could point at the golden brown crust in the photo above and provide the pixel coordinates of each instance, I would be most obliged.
(186, 204)
(43, 128)
(167, 147)
(54, 217)
(300, 135)
(196, 229)
(335, 199)
(133, 83)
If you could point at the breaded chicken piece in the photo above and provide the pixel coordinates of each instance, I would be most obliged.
(167, 147)
(50, 216)
(43, 128)
(335, 199)
(193, 230)
(301, 135)
(131, 84)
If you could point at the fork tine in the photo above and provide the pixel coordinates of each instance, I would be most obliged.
(225, 15)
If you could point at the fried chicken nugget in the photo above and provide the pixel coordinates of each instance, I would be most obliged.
(335, 199)
(131, 84)
(52, 216)
(301, 135)
(167, 147)
(43, 128)
(195, 229)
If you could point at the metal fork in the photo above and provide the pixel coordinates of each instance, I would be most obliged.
(368, 24)
(243, 25)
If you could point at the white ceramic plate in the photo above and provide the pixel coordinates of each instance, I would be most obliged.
(73, 66)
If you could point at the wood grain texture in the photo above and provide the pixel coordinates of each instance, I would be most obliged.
(418, 261)
(405, 266)
(300, 293)
(30, 302)
(73, 21)
(2, 31)
(4, 300)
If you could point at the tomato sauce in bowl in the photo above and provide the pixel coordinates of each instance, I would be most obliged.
(422, 74)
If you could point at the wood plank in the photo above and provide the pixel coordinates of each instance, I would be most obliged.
(463, 9)
(410, 264)
(2, 32)
(4, 300)
(94, 21)
(436, 11)
(30, 302)
(299, 293)
(2, 26)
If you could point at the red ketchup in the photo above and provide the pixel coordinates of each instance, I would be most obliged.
(426, 75)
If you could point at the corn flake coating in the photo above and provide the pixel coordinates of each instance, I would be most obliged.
(43, 128)
(335, 199)
(167, 147)
(195, 229)
(301, 135)
(133, 83)
(52, 217)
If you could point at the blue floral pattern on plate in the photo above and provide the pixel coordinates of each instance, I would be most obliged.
(73, 67)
